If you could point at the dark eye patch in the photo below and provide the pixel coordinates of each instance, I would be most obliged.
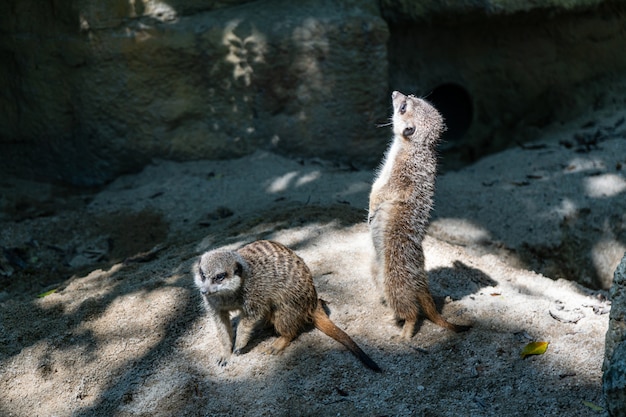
(202, 276)
(220, 277)
(402, 109)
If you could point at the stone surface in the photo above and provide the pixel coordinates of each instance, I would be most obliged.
(614, 380)
(108, 87)
(617, 323)
(513, 73)
(91, 89)
(420, 10)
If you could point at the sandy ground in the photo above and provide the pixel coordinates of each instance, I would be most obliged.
(121, 331)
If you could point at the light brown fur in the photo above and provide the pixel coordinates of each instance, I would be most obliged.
(265, 281)
(400, 204)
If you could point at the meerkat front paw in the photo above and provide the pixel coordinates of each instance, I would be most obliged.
(223, 360)
(408, 329)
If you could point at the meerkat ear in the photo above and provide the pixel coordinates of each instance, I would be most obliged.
(238, 269)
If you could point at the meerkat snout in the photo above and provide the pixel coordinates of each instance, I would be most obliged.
(211, 279)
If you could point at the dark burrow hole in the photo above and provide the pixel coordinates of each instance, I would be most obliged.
(455, 105)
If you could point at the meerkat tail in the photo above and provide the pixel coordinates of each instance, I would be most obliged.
(425, 300)
(324, 324)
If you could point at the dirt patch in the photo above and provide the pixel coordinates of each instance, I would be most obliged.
(44, 243)
(123, 333)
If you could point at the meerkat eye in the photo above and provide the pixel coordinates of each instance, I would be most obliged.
(202, 276)
(402, 109)
(220, 277)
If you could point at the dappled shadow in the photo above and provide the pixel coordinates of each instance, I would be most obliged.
(167, 374)
(108, 318)
(547, 208)
(66, 332)
(119, 390)
(318, 210)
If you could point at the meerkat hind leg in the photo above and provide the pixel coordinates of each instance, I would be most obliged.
(279, 345)
(283, 323)
(430, 311)
(408, 329)
(284, 339)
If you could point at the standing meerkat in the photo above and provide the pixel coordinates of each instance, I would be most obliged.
(265, 281)
(399, 209)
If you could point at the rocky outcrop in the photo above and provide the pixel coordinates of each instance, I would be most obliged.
(90, 89)
(614, 381)
(425, 9)
(106, 86)
(501, 71)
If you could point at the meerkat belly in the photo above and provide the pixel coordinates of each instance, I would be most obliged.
(387, 167)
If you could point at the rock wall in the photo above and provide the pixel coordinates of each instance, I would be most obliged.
(614, 380)
(90, 89)
(418, 10)
(98, 88)
(501, 71)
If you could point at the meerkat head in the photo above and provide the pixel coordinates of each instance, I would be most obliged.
(415, 119)
(219, 271)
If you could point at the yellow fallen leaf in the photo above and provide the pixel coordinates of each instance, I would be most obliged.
(534, 348)
(593, 406)
(43, 294)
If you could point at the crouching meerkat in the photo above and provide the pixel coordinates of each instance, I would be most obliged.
(265, 281)
(399, 209)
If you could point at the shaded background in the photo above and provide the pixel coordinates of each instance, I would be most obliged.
(91, 89)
